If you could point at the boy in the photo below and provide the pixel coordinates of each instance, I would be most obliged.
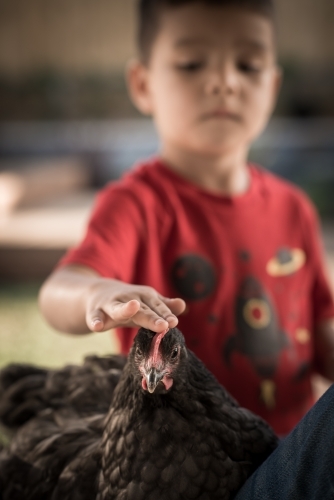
(238, 245)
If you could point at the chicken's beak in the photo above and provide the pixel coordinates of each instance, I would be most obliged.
(153, 378)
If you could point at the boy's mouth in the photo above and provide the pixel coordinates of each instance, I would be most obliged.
(221, 114)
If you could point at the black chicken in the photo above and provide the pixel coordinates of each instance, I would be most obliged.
(26, 390)
(172, 432)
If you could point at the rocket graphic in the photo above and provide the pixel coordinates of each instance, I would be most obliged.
(258, 336)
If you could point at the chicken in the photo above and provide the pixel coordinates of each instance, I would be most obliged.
(27, 390)
(172, 432)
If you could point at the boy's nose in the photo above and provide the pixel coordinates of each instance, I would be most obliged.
(223, 80)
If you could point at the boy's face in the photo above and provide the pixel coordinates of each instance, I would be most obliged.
(211, 81)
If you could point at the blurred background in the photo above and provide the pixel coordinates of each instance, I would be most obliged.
(67, 127)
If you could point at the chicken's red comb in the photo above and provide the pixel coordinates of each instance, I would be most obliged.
(154, 351)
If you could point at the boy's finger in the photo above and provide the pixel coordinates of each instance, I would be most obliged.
(177, 306)
(133, 313)
(157, 305)
(146, 318)
(165, 308)
(123, 311)
(96, 320)
(155, 317)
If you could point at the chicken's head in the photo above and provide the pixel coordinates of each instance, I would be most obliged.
(156, 357)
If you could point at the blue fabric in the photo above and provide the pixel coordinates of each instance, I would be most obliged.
(302, 467)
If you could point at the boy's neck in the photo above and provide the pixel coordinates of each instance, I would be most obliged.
(223, 174)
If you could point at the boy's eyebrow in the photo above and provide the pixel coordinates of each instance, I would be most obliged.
(183, 42)
(258, 45)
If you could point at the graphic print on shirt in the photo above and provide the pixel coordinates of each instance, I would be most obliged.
(287, 261)
(258, 336)
(193, 277)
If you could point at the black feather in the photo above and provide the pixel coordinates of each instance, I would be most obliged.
(26, 390)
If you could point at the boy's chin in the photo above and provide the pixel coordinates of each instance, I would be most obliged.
(221, 146)
(213, 140)
(222, 138)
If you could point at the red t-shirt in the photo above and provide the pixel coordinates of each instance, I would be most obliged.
(249, 267)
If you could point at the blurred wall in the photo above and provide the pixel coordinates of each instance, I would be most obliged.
(65, 59)
(76, 36)
(80, 36)
(306, 30)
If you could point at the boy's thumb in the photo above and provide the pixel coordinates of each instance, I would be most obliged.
(96, 320)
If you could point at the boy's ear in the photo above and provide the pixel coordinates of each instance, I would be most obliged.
(277, 83)
(138, 86)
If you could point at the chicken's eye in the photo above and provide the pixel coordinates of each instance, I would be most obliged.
(139, 352)
(175, 352)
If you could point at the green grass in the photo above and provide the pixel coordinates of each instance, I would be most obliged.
(25, 337)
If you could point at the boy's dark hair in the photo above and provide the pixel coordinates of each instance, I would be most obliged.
(149, 11)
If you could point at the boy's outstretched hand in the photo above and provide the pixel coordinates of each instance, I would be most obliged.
(113, 303)
(75, 299)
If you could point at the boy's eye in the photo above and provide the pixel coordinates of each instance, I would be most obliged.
(247, 67)
(190, 66)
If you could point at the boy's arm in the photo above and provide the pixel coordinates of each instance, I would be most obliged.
(324, 348)
(75, 299)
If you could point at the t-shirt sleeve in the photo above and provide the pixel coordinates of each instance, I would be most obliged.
(322, 293)
(113, 235)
